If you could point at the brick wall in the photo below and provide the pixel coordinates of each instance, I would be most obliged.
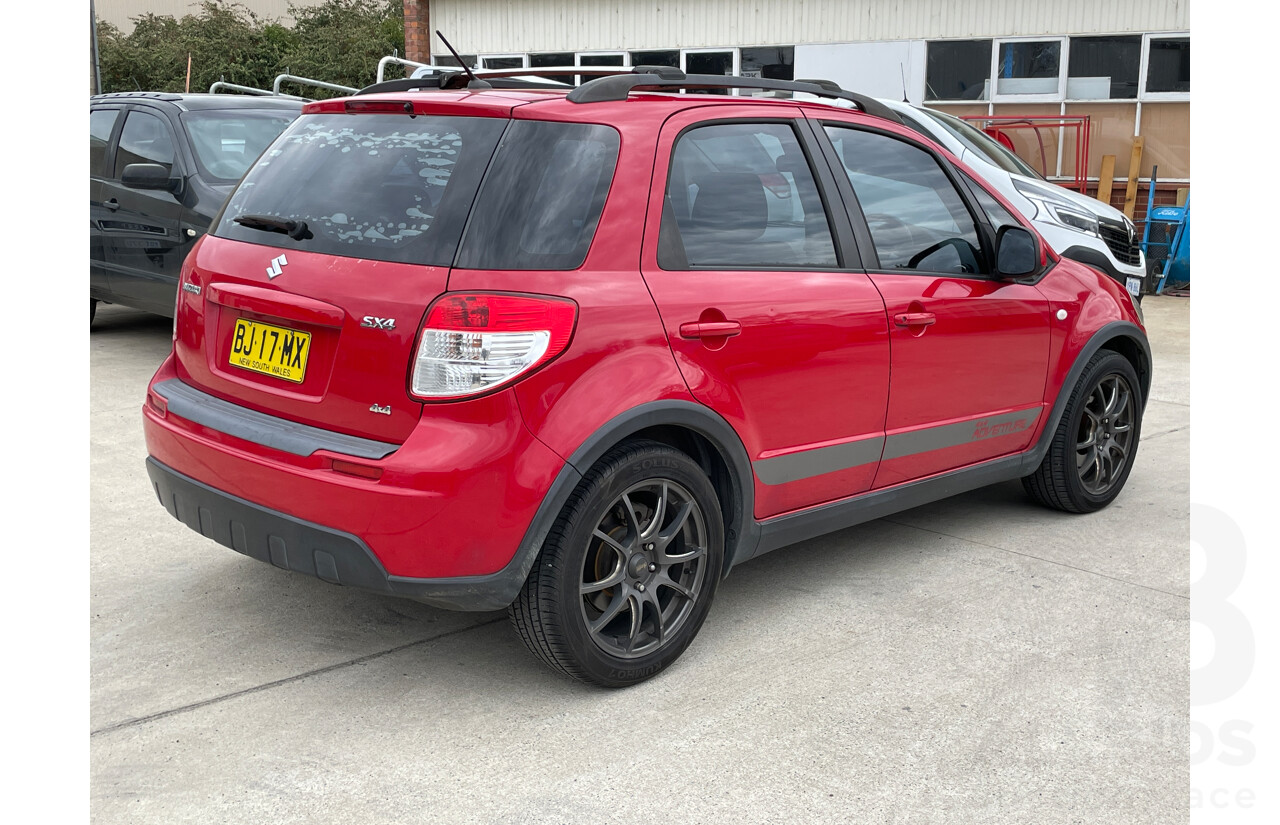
(1166, 195)
(417, 31)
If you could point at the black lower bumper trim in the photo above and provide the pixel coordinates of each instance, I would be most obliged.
(304, 547)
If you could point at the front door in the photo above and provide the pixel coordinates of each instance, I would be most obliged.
(772, 322)
(969, 351)
(142, 228)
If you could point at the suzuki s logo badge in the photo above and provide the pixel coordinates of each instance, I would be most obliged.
(277, 266)
(378, 323)
(384, 410)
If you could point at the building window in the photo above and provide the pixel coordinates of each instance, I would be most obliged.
(665, 57)
(1029, 67)
(469, 61)
(1169, 65)
(770, 62)
(1104, 68)
(556, 59)
(503, 61)
(616, 59)
(957, 70)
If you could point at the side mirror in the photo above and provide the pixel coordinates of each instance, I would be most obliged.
(1017, 252)
(149, 176)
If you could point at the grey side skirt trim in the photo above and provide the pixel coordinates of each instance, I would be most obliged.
(789, 529)
(185, 401)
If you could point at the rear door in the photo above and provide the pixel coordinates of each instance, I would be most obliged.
(319, 325)
(772, 322)
(969, 351)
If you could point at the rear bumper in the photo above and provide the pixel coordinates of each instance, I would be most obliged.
(447, 517)
(305, 547)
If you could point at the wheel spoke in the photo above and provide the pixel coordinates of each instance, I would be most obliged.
(636, 607)
(609, 540)
(659, 513)
(610, 612)
(689, 554)
(1110, 406)
(660, 627)
(677, 524)
(665, 580)
(1086, 458)
(619, 573)
(632, 518)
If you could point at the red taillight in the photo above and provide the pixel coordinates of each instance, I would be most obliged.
(471, 343)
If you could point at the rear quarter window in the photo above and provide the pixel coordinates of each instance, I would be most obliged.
(542, 199)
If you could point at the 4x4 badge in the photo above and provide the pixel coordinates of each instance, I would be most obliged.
(277, 266)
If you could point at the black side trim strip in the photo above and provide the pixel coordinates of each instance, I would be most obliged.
(190, 403)
(796, 527)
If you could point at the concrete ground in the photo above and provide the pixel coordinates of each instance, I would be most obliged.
(977, 660)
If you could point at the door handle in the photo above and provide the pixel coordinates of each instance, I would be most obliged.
(914, 319)
(710, 329)
(112, 204)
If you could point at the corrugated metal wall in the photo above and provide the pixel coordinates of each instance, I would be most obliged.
(495, 26)
(121, 12)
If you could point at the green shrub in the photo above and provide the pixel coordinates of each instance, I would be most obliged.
(338, 41)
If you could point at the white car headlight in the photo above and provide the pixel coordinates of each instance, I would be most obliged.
(1058, 209)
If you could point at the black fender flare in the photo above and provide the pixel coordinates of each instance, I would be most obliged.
(741, 530)
(496, 591)
(1105, 335)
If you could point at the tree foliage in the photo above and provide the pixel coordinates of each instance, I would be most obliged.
(337, 41)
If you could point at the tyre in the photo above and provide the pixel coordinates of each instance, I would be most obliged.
(93, 309)
(1096, 441)
(628, 571)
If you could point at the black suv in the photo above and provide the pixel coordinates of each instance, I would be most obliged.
(160, 167)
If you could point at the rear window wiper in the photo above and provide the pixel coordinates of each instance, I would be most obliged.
(294, 229)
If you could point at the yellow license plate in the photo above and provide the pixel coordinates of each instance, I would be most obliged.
(274, 351)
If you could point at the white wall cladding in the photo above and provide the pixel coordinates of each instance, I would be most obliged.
(122, 12)
(495, 26)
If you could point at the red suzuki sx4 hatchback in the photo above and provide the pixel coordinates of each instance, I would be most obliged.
(578, 354)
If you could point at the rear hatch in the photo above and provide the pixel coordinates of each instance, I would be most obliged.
(306, 298)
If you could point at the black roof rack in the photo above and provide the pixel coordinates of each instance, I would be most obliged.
(451, 78)
(655, 78)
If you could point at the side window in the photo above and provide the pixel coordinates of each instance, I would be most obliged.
(145, 139)
(743, 195)
(917, 218)
(996, 214)
(100, 124)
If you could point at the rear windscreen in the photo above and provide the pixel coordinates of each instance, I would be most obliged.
(378, 186)
(542, 198)
(228, 141)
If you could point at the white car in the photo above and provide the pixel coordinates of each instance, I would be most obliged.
(1075, 225)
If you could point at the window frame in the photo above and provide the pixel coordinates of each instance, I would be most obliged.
(177, 169)
(733, 50)
(857, 217)
(1159, 97)
(109, 150)
(523, 58)
(1064, 60)
(815, 148)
